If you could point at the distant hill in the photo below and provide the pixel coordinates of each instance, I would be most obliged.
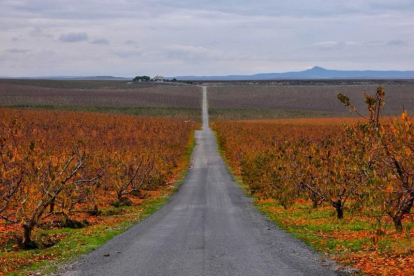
(314, 73)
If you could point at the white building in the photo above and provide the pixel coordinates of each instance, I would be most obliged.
(158, 78)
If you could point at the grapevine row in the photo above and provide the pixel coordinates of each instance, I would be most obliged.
(367, 166)
(55, 165)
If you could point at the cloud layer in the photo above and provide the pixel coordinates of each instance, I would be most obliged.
(183, 37)
(73, 37)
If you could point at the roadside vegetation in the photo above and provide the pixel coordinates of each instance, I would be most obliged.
(70, 181)
(346, 190)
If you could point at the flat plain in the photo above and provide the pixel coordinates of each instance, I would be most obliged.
(241, 101)
(177, 101)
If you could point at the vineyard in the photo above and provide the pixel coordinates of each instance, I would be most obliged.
(347, 190)
(75, 170)
(107, 97)
(240, 102)
(72, 84)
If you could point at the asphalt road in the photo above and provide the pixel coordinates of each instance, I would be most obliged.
(209, 227)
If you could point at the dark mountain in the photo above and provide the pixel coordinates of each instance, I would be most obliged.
(314, 73)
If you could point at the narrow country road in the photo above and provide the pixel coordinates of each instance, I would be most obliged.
(209, 227)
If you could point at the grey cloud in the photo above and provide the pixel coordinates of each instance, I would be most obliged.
(100, 41)
(396, 42)
(81, 9)
(17, 38)
(401, 5)
(127, 54)
(38, 32)
(334, 45)
(186, 52)
(196, 53)
(339, 45)
(301, 8)
(229, 36)
(130, 42)
(17, 51)
(73, 37)
(381, 44)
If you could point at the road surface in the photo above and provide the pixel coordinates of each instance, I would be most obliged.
(209, 227)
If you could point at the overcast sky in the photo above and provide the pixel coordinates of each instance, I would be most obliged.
(195, 37)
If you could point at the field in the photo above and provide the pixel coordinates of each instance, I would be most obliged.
(71, 84)
(176, 101)
(347, 190)
(70, 181)
(240, 102)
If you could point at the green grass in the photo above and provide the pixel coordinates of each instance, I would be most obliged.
(77, 242)
(166, 112)
(320, 229)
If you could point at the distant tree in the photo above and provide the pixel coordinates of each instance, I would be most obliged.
(141, 78)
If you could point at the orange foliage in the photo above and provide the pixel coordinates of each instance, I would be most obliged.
(58, 166)
(367, 164)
